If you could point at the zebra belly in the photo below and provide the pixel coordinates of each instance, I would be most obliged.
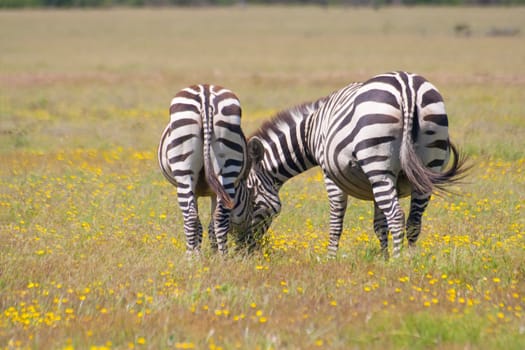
(356, 184)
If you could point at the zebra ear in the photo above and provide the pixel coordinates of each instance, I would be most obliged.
(255, 150)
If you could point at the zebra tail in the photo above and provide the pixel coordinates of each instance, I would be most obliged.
(455, 172)
(163, 156)
(211, 177)
(423, 179)
(411, 164)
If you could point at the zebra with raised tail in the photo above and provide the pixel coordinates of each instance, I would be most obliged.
(203, 152)
(379, 140)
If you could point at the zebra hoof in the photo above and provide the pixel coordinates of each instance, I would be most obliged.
(193, 254)
(332, 254)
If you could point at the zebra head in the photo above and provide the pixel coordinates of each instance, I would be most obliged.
(264, 189)
(243, 209)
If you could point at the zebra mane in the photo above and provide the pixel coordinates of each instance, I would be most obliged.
(287, 116)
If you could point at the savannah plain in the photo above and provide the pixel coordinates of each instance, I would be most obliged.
(92, 252)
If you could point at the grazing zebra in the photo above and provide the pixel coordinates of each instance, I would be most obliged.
(379, 140)
(203, 152)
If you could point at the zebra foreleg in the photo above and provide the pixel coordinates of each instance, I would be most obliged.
(386, 199)
(381, 230)
(221, 221)
(212, 237)
(211, 226)
(338, 201)
(418, 204)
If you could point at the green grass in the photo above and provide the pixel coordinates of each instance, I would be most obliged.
(92, 251)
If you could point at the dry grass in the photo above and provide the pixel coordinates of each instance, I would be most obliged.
(92, 246)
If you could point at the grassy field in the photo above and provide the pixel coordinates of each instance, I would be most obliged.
(92, 251)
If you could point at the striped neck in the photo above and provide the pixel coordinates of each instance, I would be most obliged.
(284, 138)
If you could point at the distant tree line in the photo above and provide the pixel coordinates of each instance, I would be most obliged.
(138, 3)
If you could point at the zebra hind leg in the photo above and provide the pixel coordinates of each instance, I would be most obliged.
(192, 226)
(386, 199)
(418, 204)
(381, 230)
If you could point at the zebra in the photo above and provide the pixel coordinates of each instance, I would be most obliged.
(203, 152)
(379, 140)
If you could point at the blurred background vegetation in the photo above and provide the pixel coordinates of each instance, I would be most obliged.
(110, 3)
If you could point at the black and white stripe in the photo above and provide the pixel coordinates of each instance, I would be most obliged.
(203, 152)
(379, 140)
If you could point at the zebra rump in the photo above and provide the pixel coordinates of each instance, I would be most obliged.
(422, 177)
(203, 152)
